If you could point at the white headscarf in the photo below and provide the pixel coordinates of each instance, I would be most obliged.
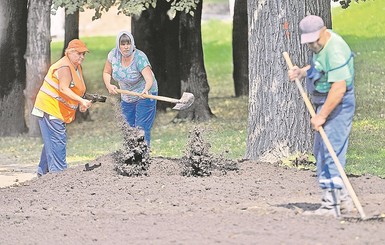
(118, 54)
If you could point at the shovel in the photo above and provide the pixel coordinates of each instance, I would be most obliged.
(327, 143)
(184, 102)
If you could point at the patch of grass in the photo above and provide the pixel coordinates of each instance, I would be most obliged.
(218, 57)
(228, 131)
(362, 25)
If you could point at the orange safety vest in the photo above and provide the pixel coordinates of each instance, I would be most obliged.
(52, 101)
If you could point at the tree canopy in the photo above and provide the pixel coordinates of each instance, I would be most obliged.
(345, 3)
(127, 7)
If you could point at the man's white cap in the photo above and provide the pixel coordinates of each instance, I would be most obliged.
(310, 27)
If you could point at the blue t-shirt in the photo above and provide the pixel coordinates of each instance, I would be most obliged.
(130, 77)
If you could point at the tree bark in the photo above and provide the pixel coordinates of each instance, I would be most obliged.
(71, 31)
(158, 37)
(13, 41)
(192, 70)
(278, 122)
(37, 56)
(240, 49)
(71, 28)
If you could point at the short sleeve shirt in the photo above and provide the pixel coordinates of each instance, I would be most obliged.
(130, 77)
(335, 54)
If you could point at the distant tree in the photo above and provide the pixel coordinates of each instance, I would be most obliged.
(13, 42)
(192, 70)
(71, 27)
(240, 49)
(278, 122)
(158, 36)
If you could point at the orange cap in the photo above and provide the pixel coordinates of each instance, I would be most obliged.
(77, 45)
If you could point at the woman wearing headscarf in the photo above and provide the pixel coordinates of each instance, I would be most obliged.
(131, 68)
(56, 103)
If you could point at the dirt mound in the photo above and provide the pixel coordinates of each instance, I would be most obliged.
(259, 203)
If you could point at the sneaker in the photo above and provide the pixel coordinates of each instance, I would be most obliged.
(347, 205)
(324, 211)
(330, 205)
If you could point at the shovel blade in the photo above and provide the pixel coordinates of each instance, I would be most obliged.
(185, 101)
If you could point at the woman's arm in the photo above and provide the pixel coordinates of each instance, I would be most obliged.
(107, 71)
(149, 78)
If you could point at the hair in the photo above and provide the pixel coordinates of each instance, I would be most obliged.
(69, 50)
(125, 39)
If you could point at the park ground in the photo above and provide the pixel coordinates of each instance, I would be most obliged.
(260, 203)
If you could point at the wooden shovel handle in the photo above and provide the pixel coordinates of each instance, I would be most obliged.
(148, 96)
(327, 142)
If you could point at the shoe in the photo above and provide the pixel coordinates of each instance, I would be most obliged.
(330, 204)
(323, 211)
(347, 205)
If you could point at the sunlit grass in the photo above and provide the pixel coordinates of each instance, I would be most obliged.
(227, 132)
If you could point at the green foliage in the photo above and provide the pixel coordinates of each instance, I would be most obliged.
(346, 3)
(127, 7)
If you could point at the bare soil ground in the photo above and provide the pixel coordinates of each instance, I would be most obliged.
(261, 203)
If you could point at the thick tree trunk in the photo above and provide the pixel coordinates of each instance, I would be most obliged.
(192, 70)
(278, 120)
(37, 56)
(13, 41)
(158, 37)
(240, 49)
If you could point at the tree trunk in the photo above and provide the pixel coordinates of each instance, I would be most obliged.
(37, 56)
(71, 28)
(13, 41)
(158, 37)
(278, 122)
(192, 70)
(240, 49)
(71, 31)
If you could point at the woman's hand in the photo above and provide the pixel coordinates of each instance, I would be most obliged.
(143, 92)
(111, 89)
(84, 105)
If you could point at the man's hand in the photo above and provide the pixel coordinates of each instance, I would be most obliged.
(297, 73)
(317, 121)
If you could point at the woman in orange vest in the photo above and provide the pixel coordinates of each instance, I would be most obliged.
(56, 103)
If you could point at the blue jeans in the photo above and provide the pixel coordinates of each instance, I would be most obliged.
(337, 128)
(141, 114)
(53, 155)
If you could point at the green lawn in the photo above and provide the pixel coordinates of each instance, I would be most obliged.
(227, 132)
(363, 25)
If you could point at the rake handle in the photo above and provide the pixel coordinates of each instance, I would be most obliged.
(327, 142)
(148, 96)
